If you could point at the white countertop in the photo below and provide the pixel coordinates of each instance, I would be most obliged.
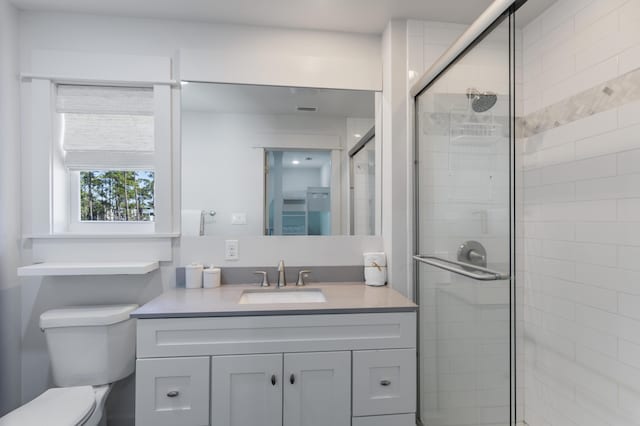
(223, 302)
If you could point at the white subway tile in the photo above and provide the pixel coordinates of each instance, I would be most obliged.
(597, 167)
(629, 114)
(624, 139)
(561, 12)
(532, 104)
(610, 323)
(629, 60)
(554, 268)
(610, 367)
(531, 178)
(560, 154)
(560, 344)
(614, 279)
(629, 210)
(431, 53)
(628, 402)
(550, 231)
(593, 12)
(625, 186)
(589, 211)
(590, 126)
(629, 353)
(583, 336)
(629, 162)
(532, 71)
(598, 74)
(415, 28)
(597, 254)
(532, 32)
(601, 49)
(583, 294)
(629, 305)
(629, 18)
(628, 257)
(597, 30)
(609, 233)
(550, 193)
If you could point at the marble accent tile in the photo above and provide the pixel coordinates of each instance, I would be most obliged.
(612, 94)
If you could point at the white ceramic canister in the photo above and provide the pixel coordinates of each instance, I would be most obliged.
(193, 275)
(375, 268)
(211, 277)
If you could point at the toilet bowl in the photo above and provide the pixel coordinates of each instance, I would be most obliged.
(90, 347)
(71, 406)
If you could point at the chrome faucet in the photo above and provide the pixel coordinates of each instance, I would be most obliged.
(282, 279)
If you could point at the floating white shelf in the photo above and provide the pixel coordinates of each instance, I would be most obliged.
(87, 268)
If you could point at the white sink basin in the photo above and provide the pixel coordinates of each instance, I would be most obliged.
(260, 297)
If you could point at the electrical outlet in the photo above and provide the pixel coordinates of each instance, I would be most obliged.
(231, 250)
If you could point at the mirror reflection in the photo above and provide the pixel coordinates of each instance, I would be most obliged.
(265, 160)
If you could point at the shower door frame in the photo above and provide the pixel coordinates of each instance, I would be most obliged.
(423, 85)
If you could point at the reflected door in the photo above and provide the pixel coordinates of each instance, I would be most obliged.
(464, 192)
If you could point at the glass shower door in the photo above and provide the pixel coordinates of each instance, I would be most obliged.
(464, 238)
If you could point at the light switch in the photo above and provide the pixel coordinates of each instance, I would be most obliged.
(231, 250)
(238, 218)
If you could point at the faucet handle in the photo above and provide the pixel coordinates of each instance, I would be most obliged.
(265, 279)
(301, 276)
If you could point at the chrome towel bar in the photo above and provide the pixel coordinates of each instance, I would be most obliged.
(462, 268)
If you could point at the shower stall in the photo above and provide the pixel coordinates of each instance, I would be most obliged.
(464, 228)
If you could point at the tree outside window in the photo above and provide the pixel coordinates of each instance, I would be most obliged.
(117, 196)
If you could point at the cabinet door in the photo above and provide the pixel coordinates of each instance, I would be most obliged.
(172, 391)
(246, 390)
(317, 389)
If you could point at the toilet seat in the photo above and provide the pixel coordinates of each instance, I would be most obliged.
(70, 406)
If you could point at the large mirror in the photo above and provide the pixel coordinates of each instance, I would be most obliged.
(266, 160)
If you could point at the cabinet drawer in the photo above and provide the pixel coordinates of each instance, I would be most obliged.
(392, 420)
(384, 382)
(172, 337)
(172, 391)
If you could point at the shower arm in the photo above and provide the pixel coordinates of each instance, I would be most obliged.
(463, 268)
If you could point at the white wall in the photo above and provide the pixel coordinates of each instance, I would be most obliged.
(10, 216)
(165, 38)
(395, 157)
(582, 229)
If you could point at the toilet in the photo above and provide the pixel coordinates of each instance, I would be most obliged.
(90, 347)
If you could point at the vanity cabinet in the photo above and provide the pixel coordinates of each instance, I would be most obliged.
(297, 370)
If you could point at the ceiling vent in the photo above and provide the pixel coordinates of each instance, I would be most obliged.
(307, 109)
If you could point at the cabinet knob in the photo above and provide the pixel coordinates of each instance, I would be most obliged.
(173, 393)
(273, 379)
(385, 382)
(292, 378)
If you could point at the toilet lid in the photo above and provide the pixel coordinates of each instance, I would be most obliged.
(56, 407)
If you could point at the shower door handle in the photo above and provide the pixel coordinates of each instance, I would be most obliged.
(462, 268)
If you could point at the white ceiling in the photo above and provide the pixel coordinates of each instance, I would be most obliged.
(246, 99)
(363, 16)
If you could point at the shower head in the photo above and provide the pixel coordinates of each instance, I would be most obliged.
(481, 102)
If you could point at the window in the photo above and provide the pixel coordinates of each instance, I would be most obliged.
(107, 151)
(112, 196)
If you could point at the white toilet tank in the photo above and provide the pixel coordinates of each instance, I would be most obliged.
(90, 345)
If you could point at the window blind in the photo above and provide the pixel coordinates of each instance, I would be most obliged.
(106, 126)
